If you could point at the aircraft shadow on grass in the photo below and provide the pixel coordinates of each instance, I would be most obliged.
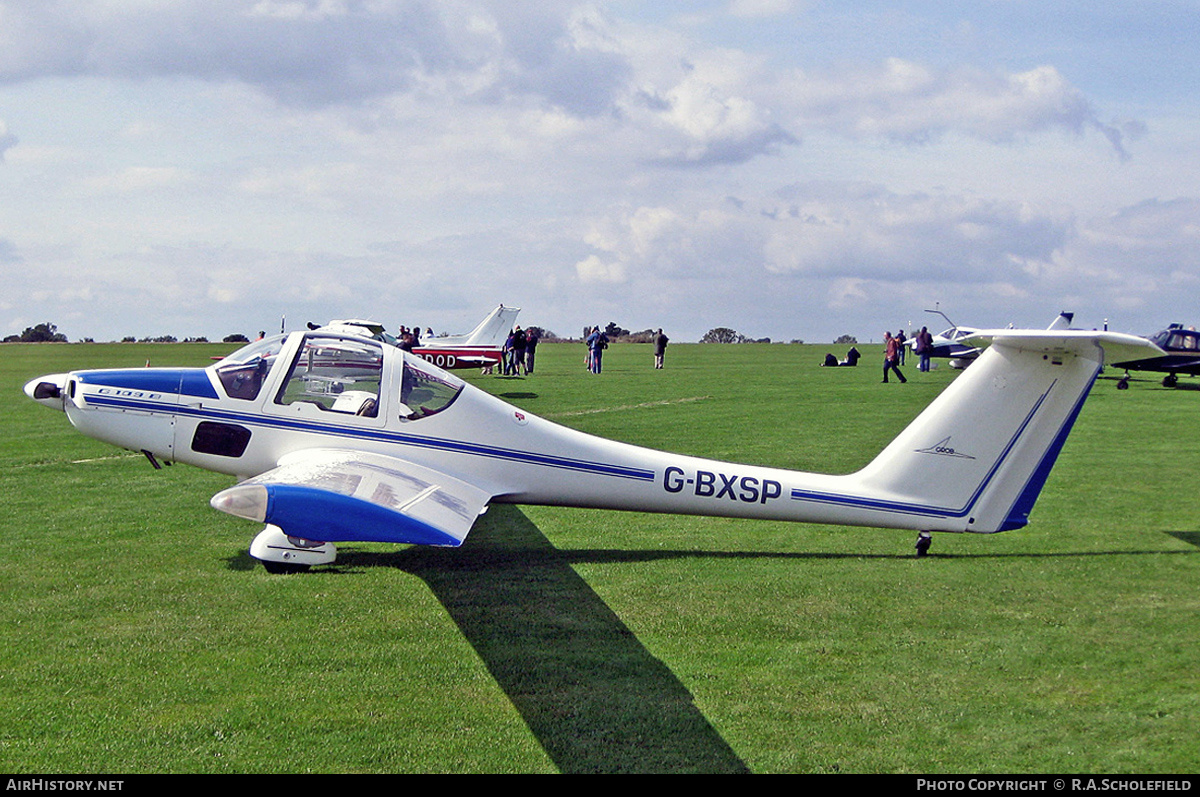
(592, 694)
(596, 699)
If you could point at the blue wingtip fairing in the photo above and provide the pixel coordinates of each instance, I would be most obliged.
(315, 514)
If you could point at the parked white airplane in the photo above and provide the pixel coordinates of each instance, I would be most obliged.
(956, 345)
(343, 438)
(482, 346)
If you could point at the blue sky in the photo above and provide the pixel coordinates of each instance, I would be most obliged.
(791, 169)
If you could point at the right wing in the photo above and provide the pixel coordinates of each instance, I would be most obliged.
(329, 495)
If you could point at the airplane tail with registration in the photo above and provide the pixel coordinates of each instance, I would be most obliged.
(978, 456)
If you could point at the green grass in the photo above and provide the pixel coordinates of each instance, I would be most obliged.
(138, 636)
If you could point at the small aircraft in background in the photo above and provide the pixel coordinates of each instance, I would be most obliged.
(951, 344)
(1180, 355)
(339, 438)
(955, 344)
(481, 347)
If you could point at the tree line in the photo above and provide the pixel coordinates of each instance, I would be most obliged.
(48, 333)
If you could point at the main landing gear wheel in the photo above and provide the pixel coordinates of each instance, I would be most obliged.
(924, 540)
(282, 569)
(280, 553)
(1170, 380)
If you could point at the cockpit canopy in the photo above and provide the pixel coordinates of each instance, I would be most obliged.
(339, 374)
(1177, 338)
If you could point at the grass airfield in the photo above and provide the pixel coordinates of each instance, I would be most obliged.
(138, 636)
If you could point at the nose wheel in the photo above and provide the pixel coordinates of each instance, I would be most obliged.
(924, 540)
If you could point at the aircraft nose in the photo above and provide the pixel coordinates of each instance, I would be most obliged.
(47, 390)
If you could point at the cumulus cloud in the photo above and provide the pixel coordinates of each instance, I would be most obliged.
(318, 52)
(593, 269)
(555, 155)
(836, 230)
(761, 8)
(1141, 256)
(716, 126)
(697, 106)
(137, 179)
(906, 101)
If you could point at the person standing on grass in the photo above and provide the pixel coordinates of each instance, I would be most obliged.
(922, 345)
(597, 342)
(531, 342)
(891, 356)
(660, 347)
(520, 342)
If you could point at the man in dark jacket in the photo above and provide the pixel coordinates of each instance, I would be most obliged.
(660, 347)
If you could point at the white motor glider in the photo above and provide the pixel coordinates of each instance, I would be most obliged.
(338, 438)
(481, 347)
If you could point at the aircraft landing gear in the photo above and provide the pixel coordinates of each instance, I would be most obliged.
(1170, 380)
(1123, 383)
(280, 553)
(924, 540)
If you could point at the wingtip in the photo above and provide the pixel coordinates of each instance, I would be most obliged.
(248, 501)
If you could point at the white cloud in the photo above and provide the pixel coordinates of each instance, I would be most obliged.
(593, 269)
(761, 8)
(331, 157)
(905, 101)
(137, 179)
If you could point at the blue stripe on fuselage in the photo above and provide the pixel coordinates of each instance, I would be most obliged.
(380, 435)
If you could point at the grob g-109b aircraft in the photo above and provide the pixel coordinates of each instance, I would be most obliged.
(339, 438)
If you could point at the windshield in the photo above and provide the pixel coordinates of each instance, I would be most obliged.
(1181, 339)
(243, 371)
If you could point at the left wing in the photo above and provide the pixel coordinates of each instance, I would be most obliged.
(330, 495)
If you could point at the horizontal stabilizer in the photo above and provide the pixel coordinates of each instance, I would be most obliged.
(1101, 346)
(342, 496)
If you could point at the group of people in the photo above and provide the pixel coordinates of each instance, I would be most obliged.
(410, 339)
(520, 350)
(597, 341)
(894, 352)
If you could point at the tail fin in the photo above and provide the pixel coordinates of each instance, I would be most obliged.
(1063, 321)
(977, 457)
(491, 331)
